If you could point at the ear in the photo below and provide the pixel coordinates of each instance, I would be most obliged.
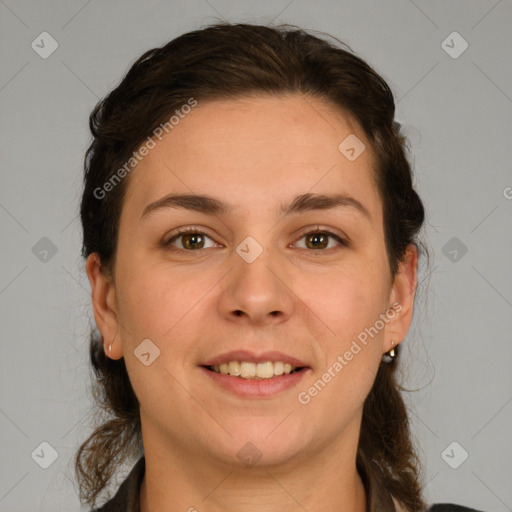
(104, 306)
(402, 298)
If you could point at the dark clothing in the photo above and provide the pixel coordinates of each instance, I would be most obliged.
(378, 499)
(450, 508)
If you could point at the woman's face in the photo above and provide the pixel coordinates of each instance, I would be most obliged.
(254, 279)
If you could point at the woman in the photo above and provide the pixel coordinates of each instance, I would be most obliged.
(250, 230)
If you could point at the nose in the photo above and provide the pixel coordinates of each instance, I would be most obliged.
(258, 292)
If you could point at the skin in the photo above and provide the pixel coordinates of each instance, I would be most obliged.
(255, 154)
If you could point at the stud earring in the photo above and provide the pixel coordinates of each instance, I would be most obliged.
(391, 355)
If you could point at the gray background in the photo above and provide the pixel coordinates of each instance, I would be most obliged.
(457, 113)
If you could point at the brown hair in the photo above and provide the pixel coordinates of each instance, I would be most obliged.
(228, 61)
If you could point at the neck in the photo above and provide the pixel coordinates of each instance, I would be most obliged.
(181, 479)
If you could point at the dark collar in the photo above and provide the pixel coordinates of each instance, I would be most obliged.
(127, 498)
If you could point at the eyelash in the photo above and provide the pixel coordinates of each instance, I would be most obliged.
(192, 230)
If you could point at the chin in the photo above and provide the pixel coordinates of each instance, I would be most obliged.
(260, 446)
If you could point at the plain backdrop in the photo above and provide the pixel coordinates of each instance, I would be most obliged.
(448, 63)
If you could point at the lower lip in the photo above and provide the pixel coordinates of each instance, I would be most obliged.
(256, 388)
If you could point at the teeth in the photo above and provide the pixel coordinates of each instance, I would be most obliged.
(234, 368)
(247, 370)
(265, 370)
(278, 368)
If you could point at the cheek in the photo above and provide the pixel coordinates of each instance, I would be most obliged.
(153, 298)
(346, 302)
(339, 394)
(350, 351)
(161, 305)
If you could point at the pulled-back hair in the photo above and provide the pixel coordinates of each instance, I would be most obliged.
(226, 61)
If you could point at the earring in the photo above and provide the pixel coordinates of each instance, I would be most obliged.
(390, 356)
(110, 348)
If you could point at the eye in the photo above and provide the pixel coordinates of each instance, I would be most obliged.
(319, 239)
(192, 240)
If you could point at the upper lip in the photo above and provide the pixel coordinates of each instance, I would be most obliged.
(245, 355)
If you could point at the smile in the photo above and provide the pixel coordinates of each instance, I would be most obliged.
(249, 370)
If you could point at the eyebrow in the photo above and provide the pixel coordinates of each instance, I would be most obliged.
(213, 206)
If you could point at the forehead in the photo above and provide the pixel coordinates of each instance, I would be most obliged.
(256, 150)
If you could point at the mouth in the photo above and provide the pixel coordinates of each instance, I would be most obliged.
(249, 375)
(249, 383)
(255, 371)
